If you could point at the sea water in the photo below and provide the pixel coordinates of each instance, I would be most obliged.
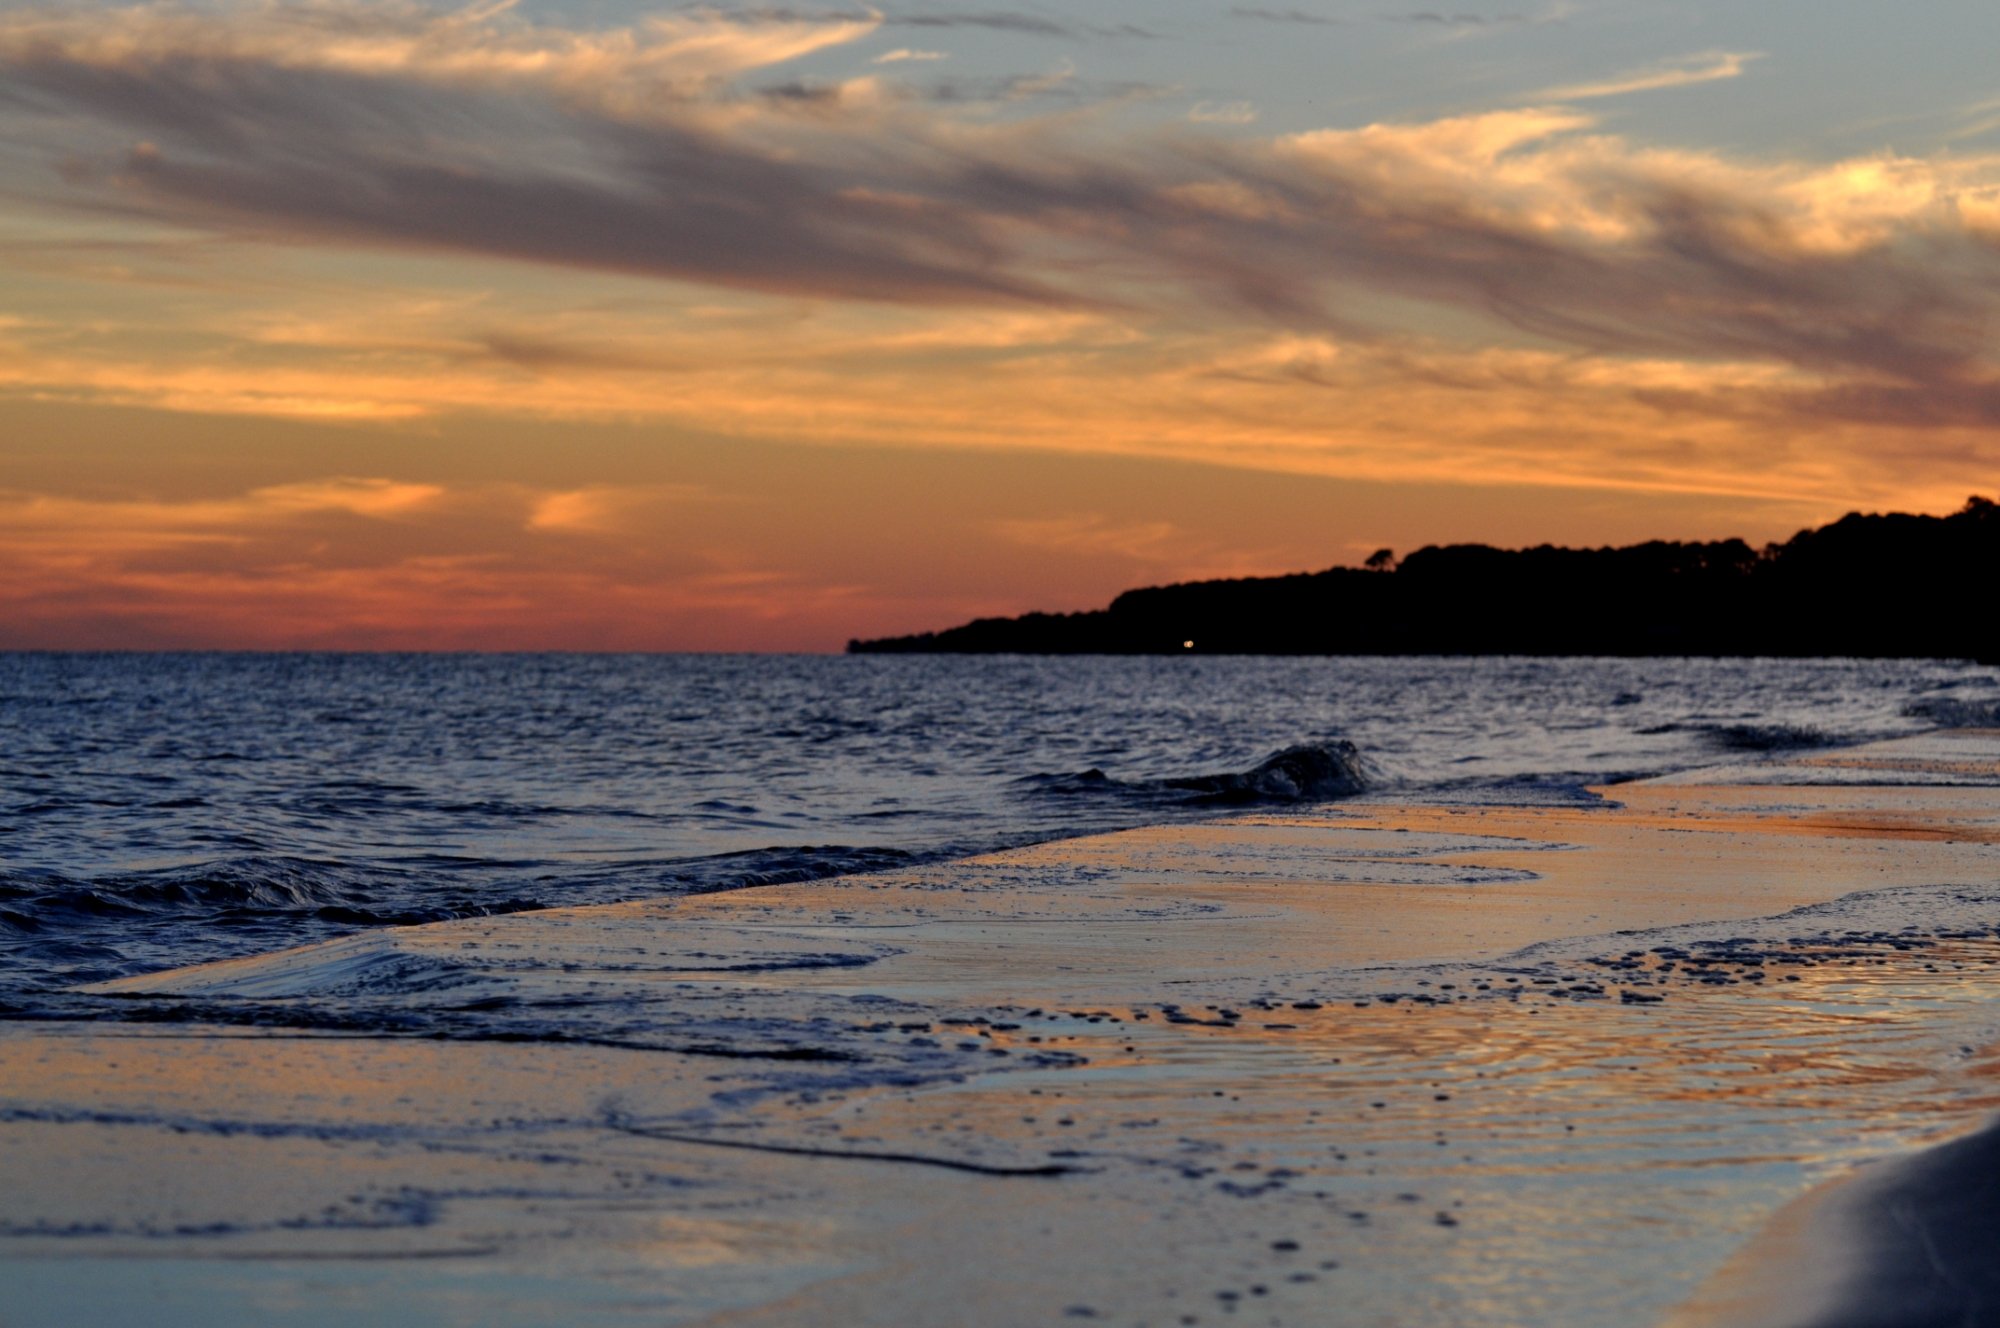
(159, 810)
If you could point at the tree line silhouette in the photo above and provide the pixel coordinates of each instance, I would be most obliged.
(1881, 585)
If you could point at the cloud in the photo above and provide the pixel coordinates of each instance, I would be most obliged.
(357, 497)
(1433, 18)
(574, 510)
(1223, 112)
(397, 563)
(667, 56)
(1032, 25)
(1857, 292)
(458, 135)
(1423, 19)
(593, 150)
(993, 21)
(1027, 86)
(1708, 67)
(1091, 534)
(136, 524)
(1458, 25)
(604, 509)
(543, 354)
(1286, 16)
(991, 99)
(904, 53)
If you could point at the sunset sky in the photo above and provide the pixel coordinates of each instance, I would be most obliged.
(610, 325)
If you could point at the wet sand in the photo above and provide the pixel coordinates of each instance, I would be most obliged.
(1376, 1064)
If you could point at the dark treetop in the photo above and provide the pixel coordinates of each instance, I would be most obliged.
(1875, 585)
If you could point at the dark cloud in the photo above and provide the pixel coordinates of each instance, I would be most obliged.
(1013, 21)
(1705, 276)
(996, 21)
(776, 14)
(1286, 16)
(319, 154)
(801, 92)
(1434, 18)
(543, 354)
(1424, 17)
(1031, 87)
(1020, 22)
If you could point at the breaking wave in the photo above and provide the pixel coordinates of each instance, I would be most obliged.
(1767, 737)
(1309, 772)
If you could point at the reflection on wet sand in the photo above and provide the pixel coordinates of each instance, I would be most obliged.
(1542, 1133)
(1396, 1065)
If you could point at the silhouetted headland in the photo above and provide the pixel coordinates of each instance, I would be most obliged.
(1880, 585)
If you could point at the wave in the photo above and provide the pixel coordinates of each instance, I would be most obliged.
(1538, 790)
(264, 893)
(60, 929)
(333, 794)
(1768, 737)
(1309, 772)
(1306, 773)
(1955, 712)
(783, 866)
(231, 891)
(57, 929)
(1757, 737)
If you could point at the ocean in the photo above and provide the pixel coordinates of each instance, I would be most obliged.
(160, 810)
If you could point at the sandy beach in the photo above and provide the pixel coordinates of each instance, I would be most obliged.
(956, 664)
(1377, 1063)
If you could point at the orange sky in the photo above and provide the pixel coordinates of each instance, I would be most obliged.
(361, 323)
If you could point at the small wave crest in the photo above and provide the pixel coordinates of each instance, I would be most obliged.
(232, 890)
(1753, 737)
(1309, 772)
(784, 866)
(1306, 773)
(1956, 712)
(1768, 737)
(58, 928)
(257, 885)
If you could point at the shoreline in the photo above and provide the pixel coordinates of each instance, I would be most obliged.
(246, 849)
(1561, 1060)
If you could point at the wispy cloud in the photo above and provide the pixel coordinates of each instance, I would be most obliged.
(1092, 534)
(1456, 21)
(1019, 22)
(1223, 112)
(671, 55)
(604, 509)
(903, 53)
(1757, 293)
(1264, 15)
(1708, 67)
(1528, 217)
(993, 21)
(478, 135)
(395, 563)
(1440, 19)
(134, 524)
(1977, 120)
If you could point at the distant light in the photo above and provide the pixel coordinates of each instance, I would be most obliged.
(1187, 645)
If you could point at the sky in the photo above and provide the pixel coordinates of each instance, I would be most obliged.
(383, 324)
